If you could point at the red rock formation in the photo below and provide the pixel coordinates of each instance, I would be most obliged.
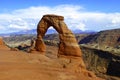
(1, 41)
(2, 45)
(68, 45)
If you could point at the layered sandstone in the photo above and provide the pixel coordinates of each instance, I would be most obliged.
(68, 45)
(1, 41)
(2, 45)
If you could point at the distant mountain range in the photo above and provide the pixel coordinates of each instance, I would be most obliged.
(104, 38)
(50, 31)
(77, 31)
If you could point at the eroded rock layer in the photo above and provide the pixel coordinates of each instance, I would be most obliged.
(2, 45)
(1, 41)
(68, 45)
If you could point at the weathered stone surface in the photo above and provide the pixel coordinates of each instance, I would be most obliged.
(1, 41)
(102, 63)
(68, 45)
(2, 45)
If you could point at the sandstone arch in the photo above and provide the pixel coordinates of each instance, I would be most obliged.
(68, 45)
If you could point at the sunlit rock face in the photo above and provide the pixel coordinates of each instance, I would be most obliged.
(1, 41)
(68, 45)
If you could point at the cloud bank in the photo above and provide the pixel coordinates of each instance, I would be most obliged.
(75, 17)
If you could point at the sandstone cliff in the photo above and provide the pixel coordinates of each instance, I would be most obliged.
(1, 41)
(2, 44)
(103, 63)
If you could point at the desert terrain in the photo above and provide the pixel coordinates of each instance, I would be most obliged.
(19, 65)
(103, 61)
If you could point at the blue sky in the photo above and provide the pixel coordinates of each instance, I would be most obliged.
(90, 5)
(17, 15)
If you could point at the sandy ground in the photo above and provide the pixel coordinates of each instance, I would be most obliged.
(18, 65)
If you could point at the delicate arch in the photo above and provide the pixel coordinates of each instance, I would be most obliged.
(68, 45)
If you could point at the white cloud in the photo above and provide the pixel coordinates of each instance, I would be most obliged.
(19, 25)
(75, 18)
(2, 28)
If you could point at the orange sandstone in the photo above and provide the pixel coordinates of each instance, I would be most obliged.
(68, 44)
